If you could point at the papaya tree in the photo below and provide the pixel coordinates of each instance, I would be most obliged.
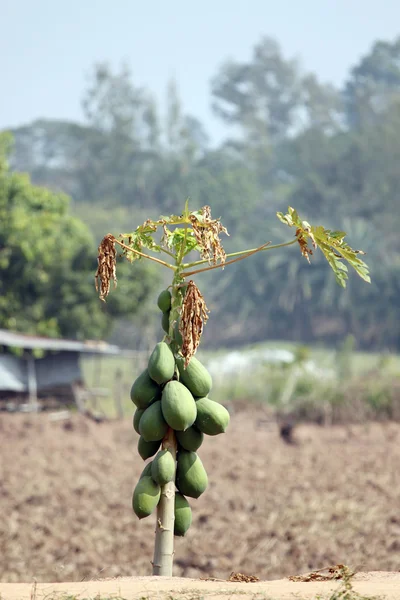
(173, 407)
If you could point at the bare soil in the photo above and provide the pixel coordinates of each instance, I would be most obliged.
(271, 510)
(385, 586)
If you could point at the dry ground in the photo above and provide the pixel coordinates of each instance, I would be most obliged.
(271, 509)
(368, 586)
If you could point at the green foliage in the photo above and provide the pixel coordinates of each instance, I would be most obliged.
(47, 259)
(331, 153)
(373, 84)
(181, 240)
(331, 243)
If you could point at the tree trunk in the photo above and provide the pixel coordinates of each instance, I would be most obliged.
(164, 543)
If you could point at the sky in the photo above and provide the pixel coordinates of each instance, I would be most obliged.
(48, 47)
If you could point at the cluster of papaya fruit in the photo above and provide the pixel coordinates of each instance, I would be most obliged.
(169, 396)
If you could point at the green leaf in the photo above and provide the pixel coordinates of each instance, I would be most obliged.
(186, 212)
(331, 243)
(140, 239)
(178, 238)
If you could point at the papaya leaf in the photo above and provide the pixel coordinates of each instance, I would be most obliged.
(178, 238)
(201, 215)
(186, 212)
(331, 243)
(172, 220)
(137, 241)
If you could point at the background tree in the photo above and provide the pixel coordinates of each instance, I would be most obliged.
(47, 258)
(291, 140)
(260, 96)
(373, 84)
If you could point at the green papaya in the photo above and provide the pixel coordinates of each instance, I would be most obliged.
(152, 426)
(163, 467)
(146, 496)
(146, 471)
(183, 515)
(191, 439)
(136, 418)
(161, 365)
(196, 377)
(178, 406)
(144, 390)
(212, 418)
(147, 449)
(164, 301)
(191, 476)
(165, 321)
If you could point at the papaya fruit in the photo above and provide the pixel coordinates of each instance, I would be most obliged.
(146, 496)
(165, 321)
(191, 476)
(178, 406)
(136, 418)
(146, 471)
(191, 439)
(163, 467)
(152, 426)
(212, 418)
(183, 515)
(164, 301)
(161, 365)
(196, 377)
(144, 390)
(147, 449)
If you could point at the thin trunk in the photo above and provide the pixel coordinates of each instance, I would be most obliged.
(164, 543)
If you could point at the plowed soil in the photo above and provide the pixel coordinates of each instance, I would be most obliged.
(271, 510)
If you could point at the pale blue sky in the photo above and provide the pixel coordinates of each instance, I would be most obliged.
(48, 46)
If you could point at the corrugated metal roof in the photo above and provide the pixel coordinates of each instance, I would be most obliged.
(20, 340)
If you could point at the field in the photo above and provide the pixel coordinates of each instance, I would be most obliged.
(357, 386)
(272, 509)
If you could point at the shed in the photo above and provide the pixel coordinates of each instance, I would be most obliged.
(34, 367)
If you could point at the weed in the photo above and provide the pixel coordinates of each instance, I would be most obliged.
(346, 591)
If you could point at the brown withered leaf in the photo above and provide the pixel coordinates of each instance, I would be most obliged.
(303, 243)
(326, 574)
(106, 266)
(242, 577)
(193, 317)
(308, 230)
(206, 231)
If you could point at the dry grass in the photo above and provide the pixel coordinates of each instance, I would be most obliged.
(271, 509)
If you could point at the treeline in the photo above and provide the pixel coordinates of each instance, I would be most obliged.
(47, 266)
(331, 153)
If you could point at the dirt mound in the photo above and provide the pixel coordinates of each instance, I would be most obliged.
(384, 586)
(271, 510)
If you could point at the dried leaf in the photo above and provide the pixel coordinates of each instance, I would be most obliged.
(243, 578)
(326, 574)
(303, 243)
(206, 231)
(106, 266)
(193, 317)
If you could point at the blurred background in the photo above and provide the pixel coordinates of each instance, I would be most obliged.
(115, 112)
(129, 109)
(122, 112)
